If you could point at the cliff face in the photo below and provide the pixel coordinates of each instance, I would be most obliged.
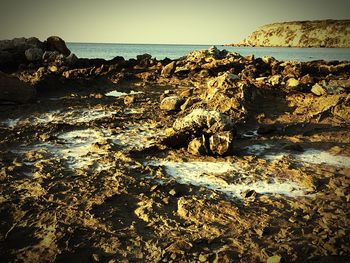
(324, 33)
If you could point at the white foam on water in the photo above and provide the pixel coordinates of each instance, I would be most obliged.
(78, 149)
(322, 157)
(205, 174)
(116, 93)
(258, 149)
(59, 116)
(312, 156)
(136, 137)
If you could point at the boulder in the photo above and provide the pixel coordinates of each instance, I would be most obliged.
(12, 89)
(275, 80)
(201, 119)
(292, 83)
(143, 57)
(169, 69)
(7, 60)
(50, 56)
(221, 142)
(71, 59)
(318, 90)
(55, 43)
(225, 80)
(198, 146)
(171, 103)
(34, 54)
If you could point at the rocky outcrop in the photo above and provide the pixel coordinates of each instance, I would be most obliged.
(14, 90)
(22, 53)
(323, 33)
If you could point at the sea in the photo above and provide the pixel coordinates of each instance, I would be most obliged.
(172, 51)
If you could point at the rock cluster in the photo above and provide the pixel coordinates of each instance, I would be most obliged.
(204, 132)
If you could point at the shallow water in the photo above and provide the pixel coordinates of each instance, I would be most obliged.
(161, 51)
(116, 93)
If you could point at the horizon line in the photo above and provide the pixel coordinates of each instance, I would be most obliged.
(121, 43)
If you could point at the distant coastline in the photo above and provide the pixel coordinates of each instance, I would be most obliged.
(301, 34)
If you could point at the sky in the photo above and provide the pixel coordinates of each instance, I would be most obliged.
(157, 21)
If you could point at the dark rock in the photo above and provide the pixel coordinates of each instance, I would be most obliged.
(50, 56)
(221, 142)
(266, 129)
(34, 54)
(143, 57)
(71, 60)
(171, 103)
(55, 43)
(12, 89)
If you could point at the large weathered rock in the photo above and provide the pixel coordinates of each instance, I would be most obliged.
(169, 69)
(171, 103)
(55, 43)
(224, 81)
(221, 142)
(200, 119)
(34, 54)
(71, 59)
(12, 89)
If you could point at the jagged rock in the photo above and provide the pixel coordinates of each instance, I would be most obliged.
(12, 89)
(50, 56)
(171, 103)
(275, 80)
(318, 90)
(169, 69)
(198, 146)
(221, 142)
(225, 80)
(55, 43)
(292, 83)
(143, 57)
(200, 119)
(33, 54)
(306, 80)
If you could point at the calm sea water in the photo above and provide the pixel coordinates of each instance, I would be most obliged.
(160, 51)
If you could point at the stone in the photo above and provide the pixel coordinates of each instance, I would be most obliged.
(143, 57)
(200, 119)
(71, 59)
(171, 103)
(169, 69)
(55, 43)
(198, 146)
(221, 142)
(53, 68)
(129, 99)
(14, 90)
(307, 80)
(34, 54)
(186, 93)
(50, 56)
(7, 60)
(225, 80)
(318, 90)
(292, 83)
(275, 80)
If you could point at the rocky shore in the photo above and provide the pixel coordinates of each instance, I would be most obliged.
(212, 157)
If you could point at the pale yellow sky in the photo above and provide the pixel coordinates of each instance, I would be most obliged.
(157, 21)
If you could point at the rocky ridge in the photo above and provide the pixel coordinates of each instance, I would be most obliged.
(323, 33)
